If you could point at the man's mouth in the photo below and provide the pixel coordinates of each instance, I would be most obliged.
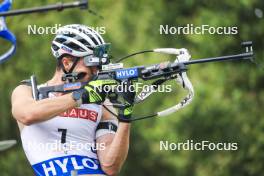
(81, 75)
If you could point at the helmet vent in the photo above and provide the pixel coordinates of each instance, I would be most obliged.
(60, 40)
(55, 47)
(75, 47)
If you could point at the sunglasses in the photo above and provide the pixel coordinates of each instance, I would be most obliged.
(101, 51)
(99, 56)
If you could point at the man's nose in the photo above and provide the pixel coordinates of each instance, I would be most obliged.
(94, 70)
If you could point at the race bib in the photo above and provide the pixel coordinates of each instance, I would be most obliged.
(63, 166)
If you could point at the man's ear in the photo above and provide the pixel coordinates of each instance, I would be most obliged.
(67, 63)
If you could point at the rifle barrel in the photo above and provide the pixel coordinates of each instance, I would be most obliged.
(60, 6)
(247, 55)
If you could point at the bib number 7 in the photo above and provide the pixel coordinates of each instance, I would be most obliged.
(63, 135)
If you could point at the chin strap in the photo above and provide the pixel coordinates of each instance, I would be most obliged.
(70, 76)
(5, 33)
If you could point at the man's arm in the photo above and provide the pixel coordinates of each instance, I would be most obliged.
(28, 111)
(116, 146)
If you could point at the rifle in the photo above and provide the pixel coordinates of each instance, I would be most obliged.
(160, 72)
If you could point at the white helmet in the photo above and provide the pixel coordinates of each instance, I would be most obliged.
(80, 41)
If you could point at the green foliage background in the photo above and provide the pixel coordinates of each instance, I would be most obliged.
(229, 96)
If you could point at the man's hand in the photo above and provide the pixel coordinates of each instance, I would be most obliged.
(128, 96)
(94, 91)
(124, 113)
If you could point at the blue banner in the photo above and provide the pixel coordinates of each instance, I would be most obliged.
(63, 166)
(127, 73)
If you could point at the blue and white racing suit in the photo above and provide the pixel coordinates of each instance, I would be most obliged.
(65, 143)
